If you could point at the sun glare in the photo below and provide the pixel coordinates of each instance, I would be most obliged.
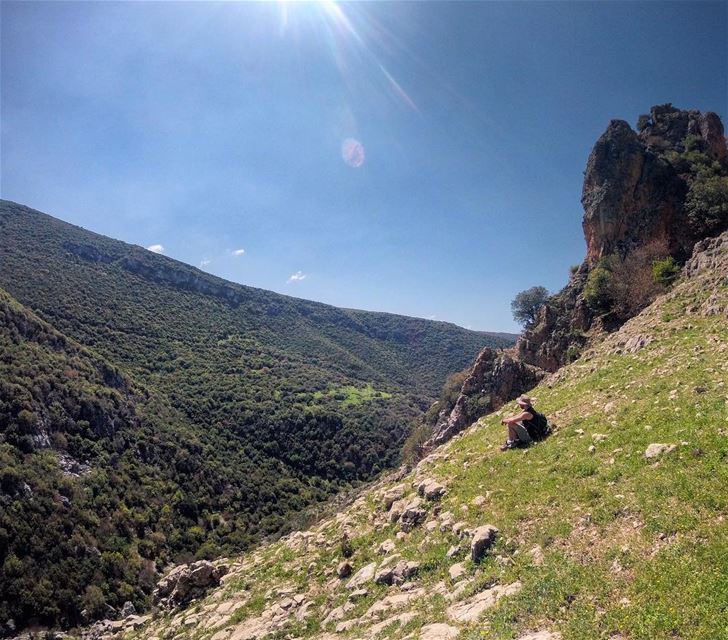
(344, 31)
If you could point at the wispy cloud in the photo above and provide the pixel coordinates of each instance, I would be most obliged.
(156, 248)
(297, 277)
(204, 262)
(238, 252)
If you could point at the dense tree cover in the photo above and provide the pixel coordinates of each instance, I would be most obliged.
(150, 413)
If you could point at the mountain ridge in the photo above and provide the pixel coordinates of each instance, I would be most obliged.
(141, 262)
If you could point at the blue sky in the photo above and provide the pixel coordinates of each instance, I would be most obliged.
(209, 128)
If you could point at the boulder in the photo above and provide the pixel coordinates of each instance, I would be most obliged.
(385, 570)
(392, 495)
(655, 450)
(412, 515)
(438, 631)
(397, 509)
(387, 547)
(361, 577)
(457, 571)
(471, 609)
(433, 490)
(358, 594)
(187, 582)
(483, 539)
(430, 489)
(453, 551)
(404, 570)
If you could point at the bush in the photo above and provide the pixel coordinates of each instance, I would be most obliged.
(94, 602)
(622, 287)
(665, 271)
(573, 353)
(526, 304)
(707, 205)
(414, 447)
(597, 290)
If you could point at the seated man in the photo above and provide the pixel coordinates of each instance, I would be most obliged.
(524, 427)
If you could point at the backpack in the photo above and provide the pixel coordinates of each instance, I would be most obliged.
(538, 427)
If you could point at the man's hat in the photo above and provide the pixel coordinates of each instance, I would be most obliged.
(524, 400)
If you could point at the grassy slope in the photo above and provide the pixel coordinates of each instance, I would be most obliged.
(633, 548)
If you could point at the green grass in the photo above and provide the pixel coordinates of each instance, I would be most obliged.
(351, 396)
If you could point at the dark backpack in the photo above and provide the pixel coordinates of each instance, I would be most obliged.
(538, 427)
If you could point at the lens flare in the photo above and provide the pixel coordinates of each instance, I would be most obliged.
(352, 152)
(353, 38)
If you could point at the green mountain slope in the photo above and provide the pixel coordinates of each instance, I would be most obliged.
(615, 527)
(204, 415)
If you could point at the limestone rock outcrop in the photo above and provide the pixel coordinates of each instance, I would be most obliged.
(187, 582)
(483, 539)
(633, 194)
(496, 378)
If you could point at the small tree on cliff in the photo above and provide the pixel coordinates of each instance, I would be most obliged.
(526, 304)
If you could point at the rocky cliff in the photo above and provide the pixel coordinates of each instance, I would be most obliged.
(634, 198)
(495, 378)
(633, 193)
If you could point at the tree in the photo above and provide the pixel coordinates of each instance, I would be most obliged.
(526, 304)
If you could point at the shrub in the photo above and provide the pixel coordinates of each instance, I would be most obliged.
(665, 271)
(622, 287)
(707, 205)
(414, 447)
(94, 602)
(634, 285)
(597, 290)
(573, 353)
(526, 304)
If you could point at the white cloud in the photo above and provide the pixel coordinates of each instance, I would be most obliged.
(297, 277)
(432, 317)
(238, 252)
(156, 248)
(204, 262)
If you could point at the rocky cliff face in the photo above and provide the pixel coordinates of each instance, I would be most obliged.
(630, 194)
(495, 378)
(633, 195)
(667, 128)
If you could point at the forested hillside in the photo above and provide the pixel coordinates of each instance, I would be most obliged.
(154, 413)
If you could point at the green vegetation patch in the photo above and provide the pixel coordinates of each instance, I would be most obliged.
(351, 396)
